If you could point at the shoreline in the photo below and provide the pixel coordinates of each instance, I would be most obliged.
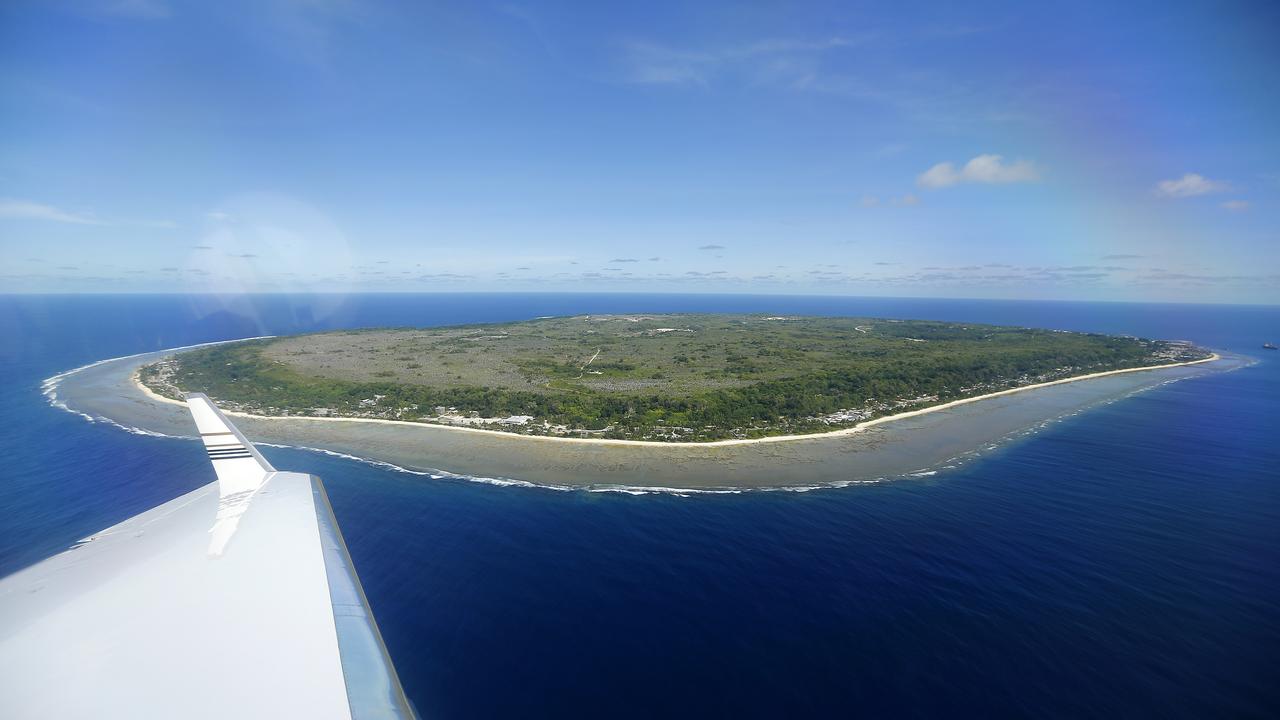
(915, 444)
(152, 395)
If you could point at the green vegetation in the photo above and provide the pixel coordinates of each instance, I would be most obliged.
(658, 377)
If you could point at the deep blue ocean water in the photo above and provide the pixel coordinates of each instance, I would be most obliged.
(1123, 562)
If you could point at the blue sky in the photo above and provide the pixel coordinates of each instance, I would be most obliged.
(1098, 151)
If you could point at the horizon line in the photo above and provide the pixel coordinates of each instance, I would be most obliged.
(615, 293)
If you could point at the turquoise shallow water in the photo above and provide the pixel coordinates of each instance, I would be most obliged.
(1124, 561)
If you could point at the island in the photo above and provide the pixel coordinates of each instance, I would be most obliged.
(676, 378)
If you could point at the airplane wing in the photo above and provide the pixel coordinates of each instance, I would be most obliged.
(237, 599)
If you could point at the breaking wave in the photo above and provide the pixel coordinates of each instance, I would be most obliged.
(49, 387)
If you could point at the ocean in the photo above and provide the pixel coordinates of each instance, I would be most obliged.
(1120, 562)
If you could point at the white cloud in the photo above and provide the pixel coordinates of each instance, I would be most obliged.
(939, 176)
(990, 169)
(27, 210)
(1190, 185)
(908, 199)
(1236, 205)
(870, 201)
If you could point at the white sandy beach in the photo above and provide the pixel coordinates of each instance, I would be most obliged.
(911, 444)
(137, 381)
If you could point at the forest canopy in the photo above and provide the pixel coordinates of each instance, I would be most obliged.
(655, 377)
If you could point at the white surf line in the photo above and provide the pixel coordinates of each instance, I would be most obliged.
(638, 490)
(603, 487)
(49, 386)
(709, 444)
(641, 490)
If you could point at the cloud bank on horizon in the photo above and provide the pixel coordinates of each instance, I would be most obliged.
(996, 150)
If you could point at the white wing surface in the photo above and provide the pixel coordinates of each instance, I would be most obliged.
(236, 600)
